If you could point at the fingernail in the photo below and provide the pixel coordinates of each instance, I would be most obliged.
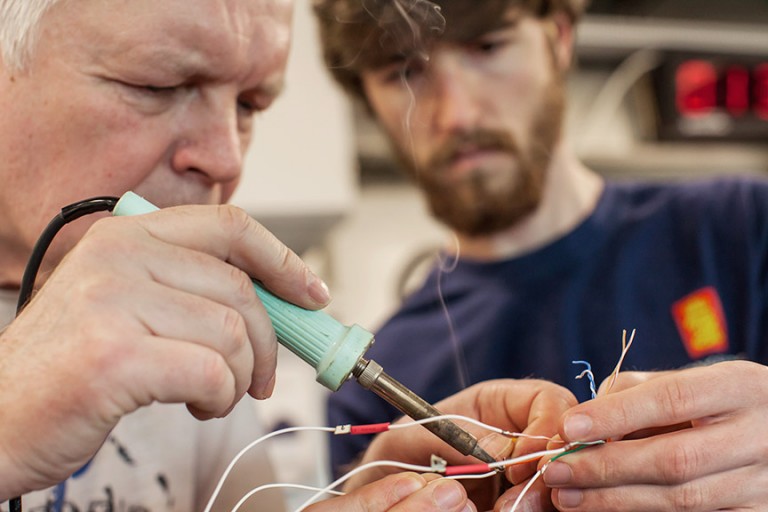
(468, 508)
(407, 486)
(268, 389)
(499, 447)
(558, 473)
(578, 427)
(569, 498)
(447, 495)
(318, 290)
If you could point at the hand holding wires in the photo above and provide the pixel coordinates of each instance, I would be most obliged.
(684, 439)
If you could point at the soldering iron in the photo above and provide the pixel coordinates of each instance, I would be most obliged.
(336, 352)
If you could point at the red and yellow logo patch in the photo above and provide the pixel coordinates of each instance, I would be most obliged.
(701, 322)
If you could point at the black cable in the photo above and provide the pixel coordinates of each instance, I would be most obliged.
(66, 215)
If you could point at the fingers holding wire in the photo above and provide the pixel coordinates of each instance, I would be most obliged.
(667, 459)
(544, 414)
(672, 399)
(690, 440)
(740, 489)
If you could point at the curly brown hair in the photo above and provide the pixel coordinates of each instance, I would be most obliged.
(365, 34)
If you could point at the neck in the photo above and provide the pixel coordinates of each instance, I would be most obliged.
(570, 195)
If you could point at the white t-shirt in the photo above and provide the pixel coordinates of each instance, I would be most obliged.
(160, 458)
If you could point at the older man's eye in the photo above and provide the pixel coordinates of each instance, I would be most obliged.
(247, 107)
(149, 89)
(159, 89)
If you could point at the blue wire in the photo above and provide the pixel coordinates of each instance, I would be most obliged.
(58, 496)
(60, 492)
(590, 376)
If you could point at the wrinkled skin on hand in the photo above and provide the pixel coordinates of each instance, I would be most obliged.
(153, 308)
(528, 406)
(692, 440)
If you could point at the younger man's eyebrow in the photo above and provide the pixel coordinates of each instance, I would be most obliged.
(475, 27)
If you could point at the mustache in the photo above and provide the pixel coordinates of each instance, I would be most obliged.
(475, 140)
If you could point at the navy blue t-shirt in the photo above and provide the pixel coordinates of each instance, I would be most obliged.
(684, 265)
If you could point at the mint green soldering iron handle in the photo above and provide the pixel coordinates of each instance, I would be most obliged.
(331, 348)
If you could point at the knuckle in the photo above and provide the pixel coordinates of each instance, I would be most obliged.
(687, 497)
(234, 220)
(607, 468)
(214, 374)
(677, 396)
(284, 257)
(98, 242)
(680, 465)
(233, 328)
(103, 227)
(243, 292)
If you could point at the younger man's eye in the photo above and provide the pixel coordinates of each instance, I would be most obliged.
(488, 46)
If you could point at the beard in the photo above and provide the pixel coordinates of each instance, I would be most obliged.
(485, 201)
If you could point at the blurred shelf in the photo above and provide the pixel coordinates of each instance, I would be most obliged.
(302, 231)
(678, 161)
(607, 37)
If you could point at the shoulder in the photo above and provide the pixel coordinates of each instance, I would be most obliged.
(737, 196)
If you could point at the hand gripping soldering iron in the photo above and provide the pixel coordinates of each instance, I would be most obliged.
(336, 352)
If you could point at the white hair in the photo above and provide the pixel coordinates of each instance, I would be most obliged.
(19, 25)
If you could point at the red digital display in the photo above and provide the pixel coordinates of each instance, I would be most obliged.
(761, 91)
(712, 96)
(696, 86)
(737, 90)
(703, 87)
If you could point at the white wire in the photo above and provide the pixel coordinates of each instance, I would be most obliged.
(251, 445)
(543, 469)
(473, 421)
(426, 469)
(360, 469)
(528, 486)
(529, 458)
(280, 486)
(410, 467)
(472, 477)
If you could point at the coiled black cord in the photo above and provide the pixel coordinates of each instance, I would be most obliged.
(65, 216)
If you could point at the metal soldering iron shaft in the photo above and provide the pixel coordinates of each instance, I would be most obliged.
(371, 376)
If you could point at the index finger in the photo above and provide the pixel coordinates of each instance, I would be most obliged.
(671, 399)
(230, 234)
